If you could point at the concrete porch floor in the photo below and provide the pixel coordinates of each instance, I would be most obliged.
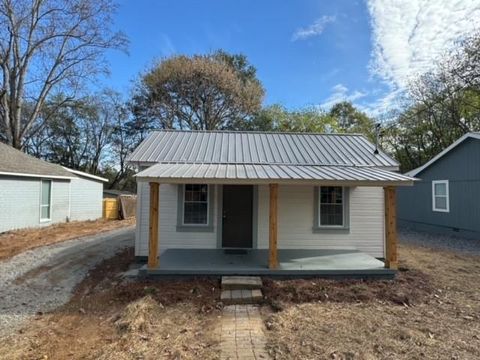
(336, 263)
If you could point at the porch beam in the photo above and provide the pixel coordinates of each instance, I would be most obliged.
(153, 236)
(391, 254)
(273, 227)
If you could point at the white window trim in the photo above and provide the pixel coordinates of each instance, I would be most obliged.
(207, 224)
(44, 220)
(320, 210)
(446, 196)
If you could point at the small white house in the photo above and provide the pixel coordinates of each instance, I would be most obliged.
(35, 193)
(274, 201)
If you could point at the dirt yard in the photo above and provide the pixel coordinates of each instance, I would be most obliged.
(431, 311)
(18, 241)
(111, 318)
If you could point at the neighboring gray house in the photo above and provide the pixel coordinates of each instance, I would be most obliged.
(292, 201)
(447, 197)
(34, 192)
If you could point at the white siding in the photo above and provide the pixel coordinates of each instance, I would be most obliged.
(60, 201)
(20, 202)
(295, 220)
(169, 237)
(86, 199)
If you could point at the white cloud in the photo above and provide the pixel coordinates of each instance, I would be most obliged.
(341, 93)
(410, 35)
(314, 29)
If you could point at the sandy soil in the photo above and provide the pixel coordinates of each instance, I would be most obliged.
(439, 319)
(110, 317)
(18, 241)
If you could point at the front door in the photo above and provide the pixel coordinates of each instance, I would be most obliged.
(237, 213)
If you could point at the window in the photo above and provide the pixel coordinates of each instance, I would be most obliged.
(440, 196)
(45, 200)
(331, 206)
(195, 204)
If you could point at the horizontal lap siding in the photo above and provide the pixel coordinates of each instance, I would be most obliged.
(20, 202)
(169, 237)
(86, 196)
(461, 167)
(295, 220)
(60, 201)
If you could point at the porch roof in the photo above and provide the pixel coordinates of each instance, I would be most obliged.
(268, 173)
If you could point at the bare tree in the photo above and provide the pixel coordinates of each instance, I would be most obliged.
(441, 106)
(48, 45)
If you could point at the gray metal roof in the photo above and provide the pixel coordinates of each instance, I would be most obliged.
(17, 163)
(257, 173)
(231, 147)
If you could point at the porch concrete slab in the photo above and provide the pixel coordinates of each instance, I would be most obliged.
(292, 262)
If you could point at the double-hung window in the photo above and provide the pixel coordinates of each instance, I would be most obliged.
(331, 207)
(195, 204)
(440, 196)
(45, 200)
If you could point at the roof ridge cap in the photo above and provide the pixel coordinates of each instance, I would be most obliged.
(256, 132)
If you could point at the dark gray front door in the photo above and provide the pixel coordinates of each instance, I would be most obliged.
(237, 216)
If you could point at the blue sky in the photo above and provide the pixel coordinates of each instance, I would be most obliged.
(306, 52)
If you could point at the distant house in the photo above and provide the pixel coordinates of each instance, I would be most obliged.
(35, 193)
(226, 202)
(447, 197)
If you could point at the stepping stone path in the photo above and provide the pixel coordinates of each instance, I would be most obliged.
(242, 329)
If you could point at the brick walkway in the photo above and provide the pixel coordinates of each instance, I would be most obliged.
(242, 334)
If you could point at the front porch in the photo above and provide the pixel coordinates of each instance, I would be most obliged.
(271, 260)
(331, 263)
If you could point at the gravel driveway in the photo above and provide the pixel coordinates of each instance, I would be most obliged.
(439, 241)
(42, 279)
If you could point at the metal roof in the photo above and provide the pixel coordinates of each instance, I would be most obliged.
(233, 147)
(14, 162)
(470, 135)
(259, 173)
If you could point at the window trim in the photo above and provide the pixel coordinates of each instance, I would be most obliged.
(184, 189)
(317, 227)
(446, 196)
(45, 220)
(181, 226)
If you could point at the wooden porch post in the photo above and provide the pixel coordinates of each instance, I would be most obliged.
(273, 229)
(391, 255)
(153, 227)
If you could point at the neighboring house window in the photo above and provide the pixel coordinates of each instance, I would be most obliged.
(46, 200)
(440, 196)
(331, 209)
(195, 204)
